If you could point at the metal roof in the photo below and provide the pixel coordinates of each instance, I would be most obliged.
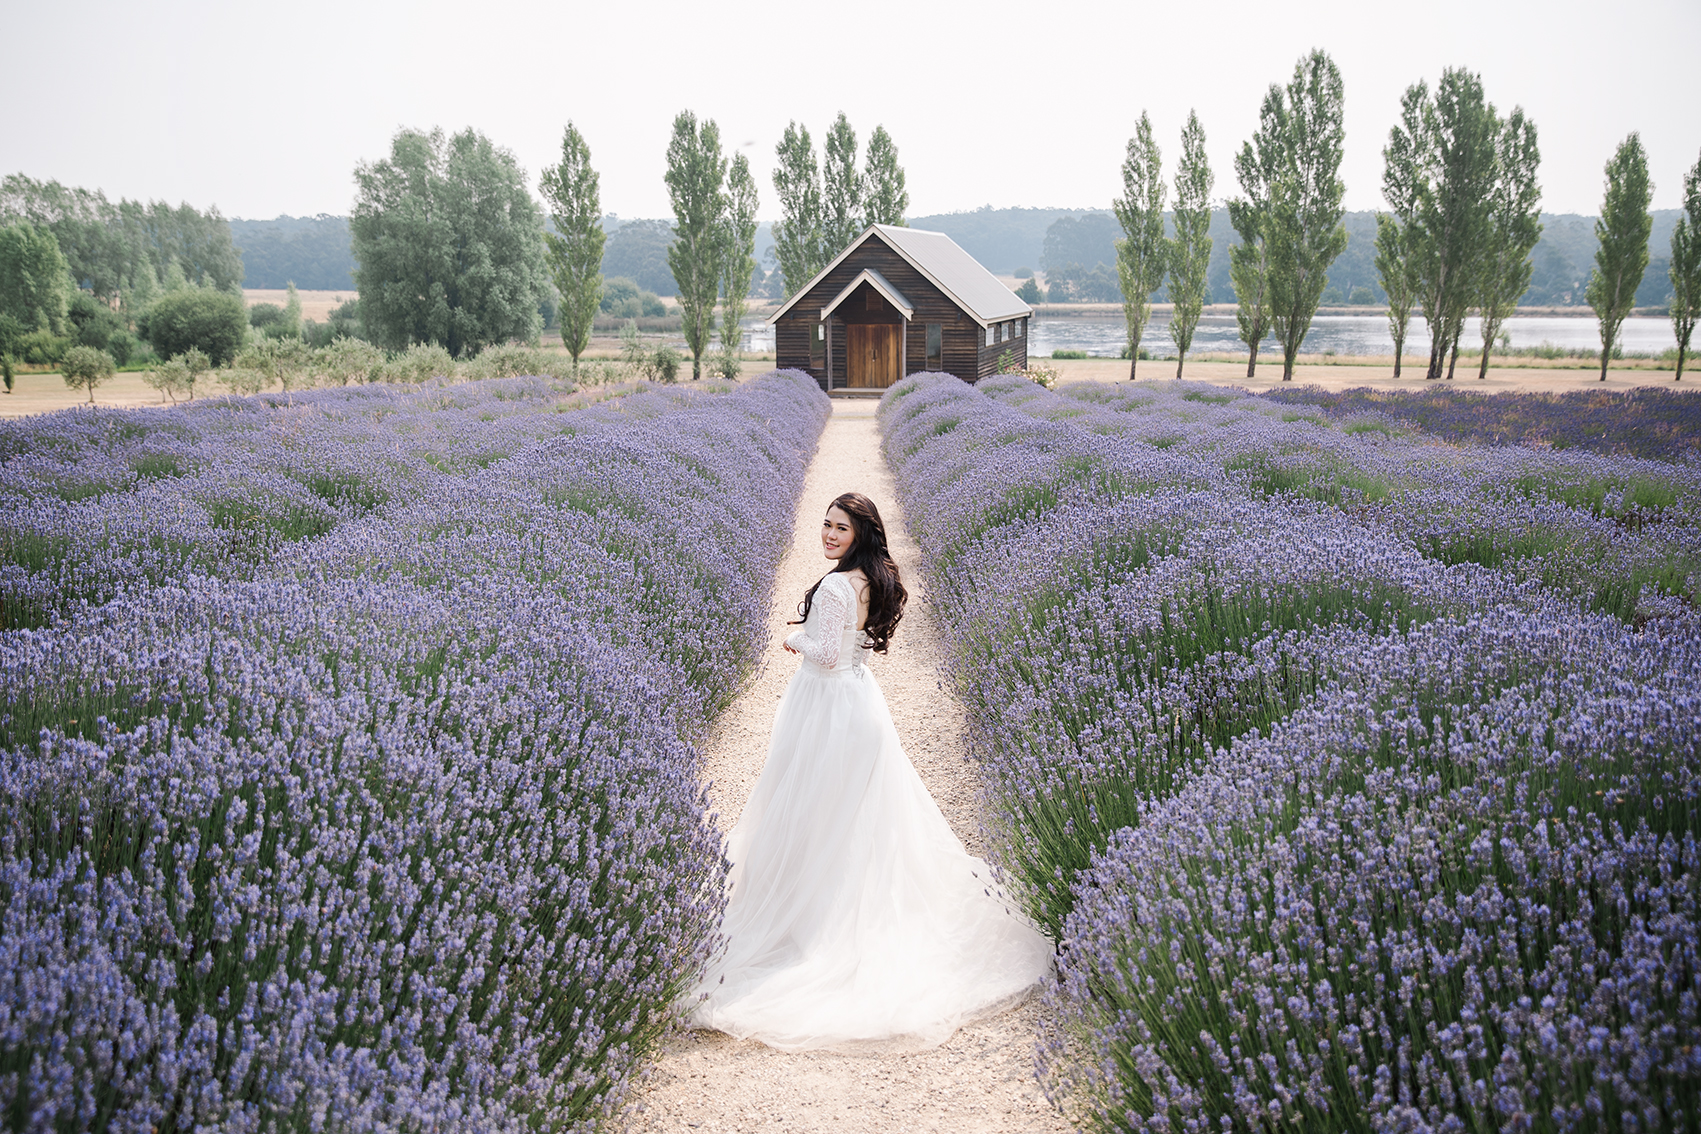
(944, 264)
(880, 284)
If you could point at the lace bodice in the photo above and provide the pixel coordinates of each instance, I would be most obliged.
(829, 636)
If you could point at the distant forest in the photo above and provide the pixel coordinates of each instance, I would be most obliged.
(1074, 245)
(1078, 241)
(311, 252)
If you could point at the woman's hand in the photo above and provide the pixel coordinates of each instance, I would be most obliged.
(786, 646)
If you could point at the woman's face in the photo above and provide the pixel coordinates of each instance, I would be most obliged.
(837, 534)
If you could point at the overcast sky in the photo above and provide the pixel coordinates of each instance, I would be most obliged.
(266, 109)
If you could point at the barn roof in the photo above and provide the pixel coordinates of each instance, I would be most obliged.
(938, 258)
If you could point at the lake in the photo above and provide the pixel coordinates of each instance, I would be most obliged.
(1105, 336)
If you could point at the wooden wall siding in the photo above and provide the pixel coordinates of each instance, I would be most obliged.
(987, 362)
(962, 352)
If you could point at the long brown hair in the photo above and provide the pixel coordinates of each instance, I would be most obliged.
(886, 594)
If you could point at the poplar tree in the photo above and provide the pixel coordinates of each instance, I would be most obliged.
(1190, 251)
(1396, 237)
(797, 234)
(1306, 234)
(1514, 226)
(1142, 255)
(1622, 229)
(884, 194)
(1256, 167)
(1686, 266)
(1394, 271)
(696, 171)
(572, 190)
(841, 189)
(739, 242)
(1451, 139)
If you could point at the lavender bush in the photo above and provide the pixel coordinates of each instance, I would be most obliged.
(1163, 598)
(1647, 422)
(393, 824)
(1458, 892)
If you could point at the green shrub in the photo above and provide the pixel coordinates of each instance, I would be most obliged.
(666, 363)
(211, 321)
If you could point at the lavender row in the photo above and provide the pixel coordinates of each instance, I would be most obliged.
(1623, 534)
(1664, 424)
(1141, 627)
(396, 826)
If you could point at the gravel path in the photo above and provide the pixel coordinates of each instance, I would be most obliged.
(982, 1079)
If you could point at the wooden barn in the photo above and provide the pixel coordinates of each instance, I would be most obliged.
(897, 301)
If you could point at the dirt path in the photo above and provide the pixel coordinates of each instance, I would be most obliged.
(982, 1079)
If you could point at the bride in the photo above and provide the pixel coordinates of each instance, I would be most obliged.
(855, 918)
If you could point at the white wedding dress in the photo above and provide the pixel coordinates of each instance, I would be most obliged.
(855, 918)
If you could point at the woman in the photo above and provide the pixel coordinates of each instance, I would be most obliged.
(855, 916)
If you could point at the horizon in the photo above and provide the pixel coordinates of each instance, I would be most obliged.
(264, 118)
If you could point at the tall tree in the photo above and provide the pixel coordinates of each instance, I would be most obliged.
(1190, 252)
(572, 189)
(797, 234)
(1451, 139)
(1514, 226)
(696, 171)
(1256, 167)
(114, 248)
(883, 180)
(1403, 173)
(1686, 266)
(450, 245)
(1306, 234)
(292, 311)
(739, 240)
(1622, 229)
(1394, 273)
(841, 188)
(35, 280)
(1142, 255)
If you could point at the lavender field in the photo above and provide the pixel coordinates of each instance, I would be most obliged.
(1357, 774)
(346, 765)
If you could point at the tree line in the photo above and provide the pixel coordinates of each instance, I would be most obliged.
(1464, 216)
(450, 250)
(437, 263)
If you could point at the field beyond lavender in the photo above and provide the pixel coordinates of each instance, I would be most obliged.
(346, 765)
(1357, 774)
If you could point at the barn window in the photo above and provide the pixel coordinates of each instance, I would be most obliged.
(1021, 328)
(818, 345)
(990, 332)
(935, 346)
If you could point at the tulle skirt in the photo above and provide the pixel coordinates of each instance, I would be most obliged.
(855, 917)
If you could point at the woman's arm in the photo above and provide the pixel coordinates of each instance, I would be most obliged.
(836, 606)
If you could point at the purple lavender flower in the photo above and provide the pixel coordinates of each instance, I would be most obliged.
(375, 804)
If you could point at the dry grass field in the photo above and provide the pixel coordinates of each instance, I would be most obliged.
(1521, 375)
(315, 305)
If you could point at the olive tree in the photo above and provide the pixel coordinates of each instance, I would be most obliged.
(86, 367)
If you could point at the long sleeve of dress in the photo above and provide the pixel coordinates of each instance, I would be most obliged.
(832, 611)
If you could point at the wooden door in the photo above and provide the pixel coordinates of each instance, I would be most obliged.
(871, 355)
